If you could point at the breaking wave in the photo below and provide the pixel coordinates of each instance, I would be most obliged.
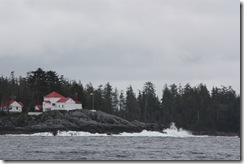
(173, 131)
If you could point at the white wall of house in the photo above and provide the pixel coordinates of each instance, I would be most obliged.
(15, 107)
(49, 106)
(46, 106)
(53, 100)
(55, 105)
(60, 106)
(71, 105)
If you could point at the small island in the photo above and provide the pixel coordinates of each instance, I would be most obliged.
(65, 114)
(44, 101)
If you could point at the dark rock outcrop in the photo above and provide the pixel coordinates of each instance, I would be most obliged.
(75, 120)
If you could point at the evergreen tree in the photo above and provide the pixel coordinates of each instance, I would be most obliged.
(122, 104)
(140, 106)
(227, 109)
(167, 103)
(115, 101)
(99, 99)
(132, 111)
(151, 103)
(37, 83)
(189, 104)
(52, 81)
(204, 118)
(77, 92)
(89, 92)
(107, 93)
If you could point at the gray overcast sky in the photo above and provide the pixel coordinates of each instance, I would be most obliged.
(124, 41)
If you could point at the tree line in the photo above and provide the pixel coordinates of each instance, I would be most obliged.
(194, 108)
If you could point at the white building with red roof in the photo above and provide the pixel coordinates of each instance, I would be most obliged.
(12, 106)
(38, 107)
(55, 101)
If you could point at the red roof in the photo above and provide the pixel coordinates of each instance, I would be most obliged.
(10, 102)
(3, 105)
(63, 99)
(53, 94)
(39, 106)
(21, 104)
(47, 101)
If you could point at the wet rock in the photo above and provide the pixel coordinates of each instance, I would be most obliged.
(75, 120)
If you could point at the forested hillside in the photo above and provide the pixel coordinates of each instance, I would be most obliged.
(194, 108)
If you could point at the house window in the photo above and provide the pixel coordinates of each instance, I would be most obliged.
(17, 108)
(62, 106)
(53, 104)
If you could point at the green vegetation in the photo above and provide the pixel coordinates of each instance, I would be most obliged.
(193, 108)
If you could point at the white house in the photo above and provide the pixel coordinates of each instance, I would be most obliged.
(55, 101)
(12, 106)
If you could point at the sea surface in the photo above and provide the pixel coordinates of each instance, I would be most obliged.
(173, 145)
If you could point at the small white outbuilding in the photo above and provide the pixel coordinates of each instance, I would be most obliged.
(12, 106)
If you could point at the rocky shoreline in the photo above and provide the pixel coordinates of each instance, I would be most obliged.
(80, 120)
(75, 120)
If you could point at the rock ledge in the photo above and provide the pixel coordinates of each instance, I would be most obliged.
(75, 120)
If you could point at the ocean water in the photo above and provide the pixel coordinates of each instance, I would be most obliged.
(174, 144)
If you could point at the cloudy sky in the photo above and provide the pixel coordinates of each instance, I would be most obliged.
(124, 42)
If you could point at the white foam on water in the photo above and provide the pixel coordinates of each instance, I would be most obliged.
(42, 134)
(78, 133)
(173, 131)
(35, 134)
